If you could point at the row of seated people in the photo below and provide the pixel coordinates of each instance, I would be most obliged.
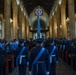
(67, 51)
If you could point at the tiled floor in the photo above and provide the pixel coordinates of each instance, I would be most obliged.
(62, 69)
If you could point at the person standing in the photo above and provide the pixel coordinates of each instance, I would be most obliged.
(53, 53)
(2, 62)
(21, 57)
(39, 59)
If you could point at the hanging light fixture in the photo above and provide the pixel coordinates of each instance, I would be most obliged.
(18, 2)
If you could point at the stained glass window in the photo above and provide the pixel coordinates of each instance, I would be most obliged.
(38, 11)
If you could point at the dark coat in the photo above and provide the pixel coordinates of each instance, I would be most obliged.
(25, 52)
(54, 59)
(50, 48)
(42, 67)
(2, 60)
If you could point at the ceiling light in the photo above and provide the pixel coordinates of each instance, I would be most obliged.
(18, 2)
(60, 1)
(53, 13)
(67, 19)
(60, 26)
(11, 20)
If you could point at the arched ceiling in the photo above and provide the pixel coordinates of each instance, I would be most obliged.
(31, 4)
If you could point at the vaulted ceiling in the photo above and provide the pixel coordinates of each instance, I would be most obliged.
(31, 4)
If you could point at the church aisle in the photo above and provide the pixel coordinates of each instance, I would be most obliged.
(62, 69)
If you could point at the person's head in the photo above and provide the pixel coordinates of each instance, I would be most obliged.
(39, 42)
(46, 43)
(51, 40)
(15, 40)
(21, 42)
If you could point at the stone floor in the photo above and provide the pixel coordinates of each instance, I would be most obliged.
(62, 69)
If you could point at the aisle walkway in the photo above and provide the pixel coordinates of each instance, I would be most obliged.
(62, 69)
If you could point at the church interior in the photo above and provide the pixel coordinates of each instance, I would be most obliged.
(18, 19)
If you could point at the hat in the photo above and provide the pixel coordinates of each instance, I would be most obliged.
(51, 40)
(39, 40)
(34, 41)
(21, 41)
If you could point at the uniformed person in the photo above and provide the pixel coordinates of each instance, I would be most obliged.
(39, 60)
(14, 45)
(2, 62)
(53, 53)
(22, 57)
(64, 49)
(74, 57)
(7, 49)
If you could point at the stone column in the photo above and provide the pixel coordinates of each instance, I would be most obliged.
(26, 27)
(15, 19)
(7, 15)
(55, 25)
(50, 28)
(23, 26)
(20, 23)
(28, 31)
(63, 19)
(12, 32)
(71, 18)
(58, 23)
